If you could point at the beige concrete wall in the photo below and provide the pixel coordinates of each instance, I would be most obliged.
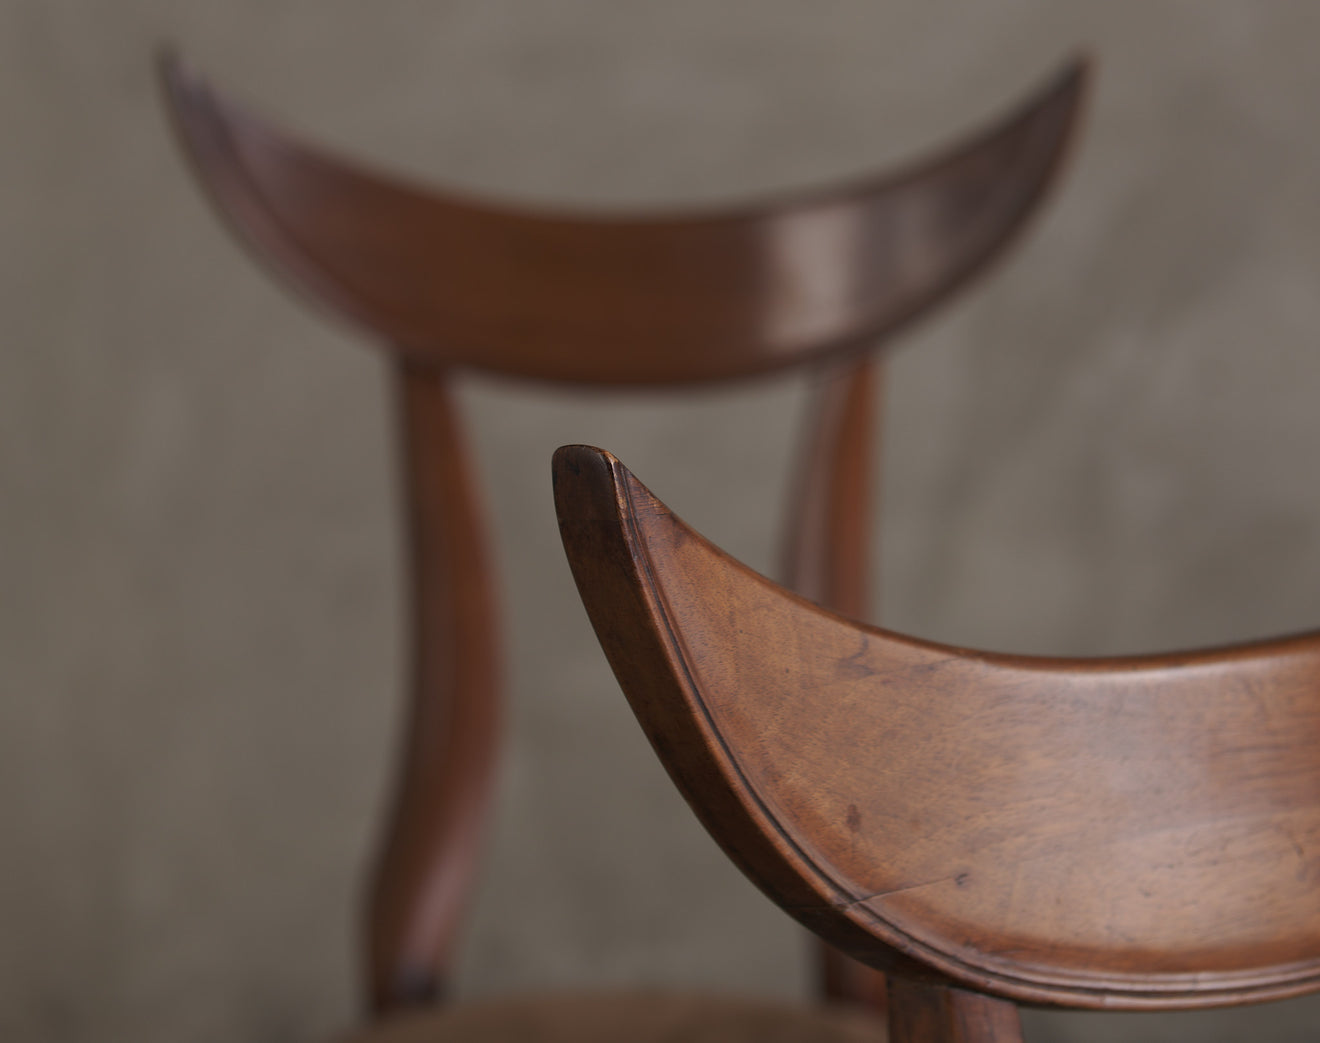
(1109, 447)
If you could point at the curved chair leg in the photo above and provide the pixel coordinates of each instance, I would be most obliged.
(450, 739)
(932, 1012)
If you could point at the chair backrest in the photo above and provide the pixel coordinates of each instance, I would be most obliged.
(1120, 833)
(443, 282)
(618, 299)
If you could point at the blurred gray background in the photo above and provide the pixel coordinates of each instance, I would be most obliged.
(1109, 446)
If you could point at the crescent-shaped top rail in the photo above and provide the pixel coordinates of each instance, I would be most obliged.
(1122, 833)
(665, 298)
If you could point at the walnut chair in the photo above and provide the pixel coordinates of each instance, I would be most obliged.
(988, 830)
(445, 283)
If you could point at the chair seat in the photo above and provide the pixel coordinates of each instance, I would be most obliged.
(629, 1017)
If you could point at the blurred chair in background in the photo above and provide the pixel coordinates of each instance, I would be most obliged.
(445, 283)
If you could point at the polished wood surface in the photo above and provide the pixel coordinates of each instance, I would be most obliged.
(442, 282)
(1123, 833)
(623, 299)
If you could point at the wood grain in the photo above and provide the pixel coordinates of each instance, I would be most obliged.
(1120, 833)
(827, 560)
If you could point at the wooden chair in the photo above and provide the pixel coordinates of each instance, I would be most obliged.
(989, 830)
(445, 283)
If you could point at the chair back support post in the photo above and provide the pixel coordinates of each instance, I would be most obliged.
(450, 732)
(828, 535)
(930, 1011)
